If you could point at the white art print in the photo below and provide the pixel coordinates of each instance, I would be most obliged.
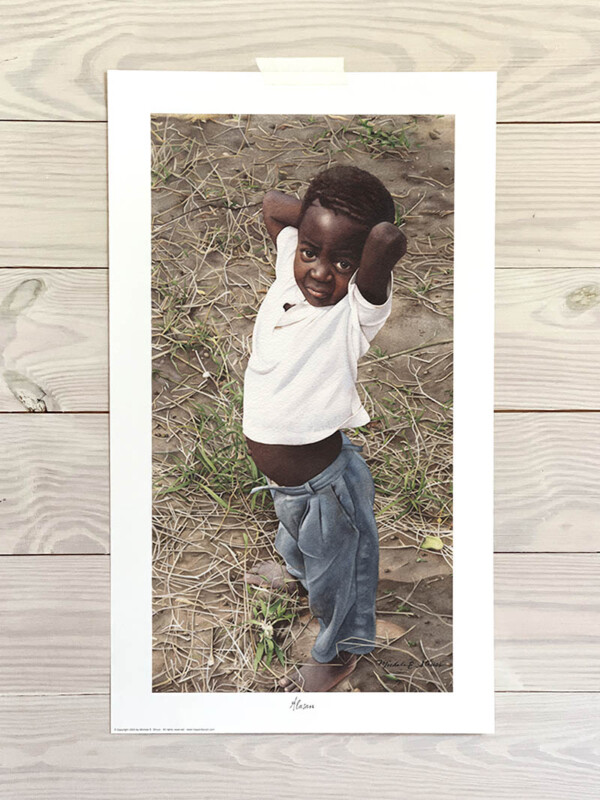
(205, 638)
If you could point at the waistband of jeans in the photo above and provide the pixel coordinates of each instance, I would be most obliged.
(327, 476)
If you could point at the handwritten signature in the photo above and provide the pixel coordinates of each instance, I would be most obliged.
(300, 705)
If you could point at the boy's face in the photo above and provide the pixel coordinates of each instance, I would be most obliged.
(328, 254)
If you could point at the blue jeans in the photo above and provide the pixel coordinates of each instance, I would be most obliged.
(328, 538)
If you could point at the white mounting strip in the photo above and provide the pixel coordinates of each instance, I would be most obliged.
(303, 71)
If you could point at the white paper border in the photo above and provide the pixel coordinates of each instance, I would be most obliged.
(132, 98)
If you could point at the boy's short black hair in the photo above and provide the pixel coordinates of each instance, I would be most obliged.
(351, 191)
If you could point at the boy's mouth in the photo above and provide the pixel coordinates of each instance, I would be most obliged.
(318, 294)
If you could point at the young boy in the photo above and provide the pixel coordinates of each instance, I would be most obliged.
(333, 292)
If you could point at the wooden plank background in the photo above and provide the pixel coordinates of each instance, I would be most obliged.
(54, 542)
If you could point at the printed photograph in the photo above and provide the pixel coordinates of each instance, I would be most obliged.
(302, 322)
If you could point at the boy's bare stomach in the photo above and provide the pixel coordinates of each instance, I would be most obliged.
(294, 464)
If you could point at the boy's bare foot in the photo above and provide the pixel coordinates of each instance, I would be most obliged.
(317, 677)
(269, 573)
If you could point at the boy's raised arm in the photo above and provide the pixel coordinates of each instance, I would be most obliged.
(385, 245)
(279, 211)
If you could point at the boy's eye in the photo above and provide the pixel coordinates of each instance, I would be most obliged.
(307, 253)
(345, 266)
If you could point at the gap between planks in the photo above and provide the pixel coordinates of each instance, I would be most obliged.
(495, 411)
(504, 692)
(498, 122)
(106, 269)
(191, 551)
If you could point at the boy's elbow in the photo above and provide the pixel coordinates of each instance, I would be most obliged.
(269, 200)
(391, 238)
(387, 232)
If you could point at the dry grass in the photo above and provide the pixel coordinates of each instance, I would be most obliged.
(212, 265)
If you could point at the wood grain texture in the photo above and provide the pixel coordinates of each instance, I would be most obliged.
(547, 494)
(547, 621)
(53, 195)
(53, 199)
(545, 54)
(54, 491)
(547, 342)
(55, 633)
(544, 748)
(55, 626)
(53, 340)
(547, 193)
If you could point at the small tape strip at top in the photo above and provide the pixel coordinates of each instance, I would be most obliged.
(302, 71)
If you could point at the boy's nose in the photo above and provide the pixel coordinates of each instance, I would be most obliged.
(321, 271)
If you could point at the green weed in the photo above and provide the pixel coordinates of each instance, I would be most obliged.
(378, 139)
(266, 616)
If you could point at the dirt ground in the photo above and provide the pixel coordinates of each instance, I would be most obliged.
(212, 265)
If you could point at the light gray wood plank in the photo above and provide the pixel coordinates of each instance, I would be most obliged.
(53, 195)
(53, 340)
(547, 343)
(545, 748)
(545, 55)
(54, 489)
(547, 493)
(54, 637)
(546, 622)
(547, 196)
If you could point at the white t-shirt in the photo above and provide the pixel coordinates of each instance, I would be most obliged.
(300, 383)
